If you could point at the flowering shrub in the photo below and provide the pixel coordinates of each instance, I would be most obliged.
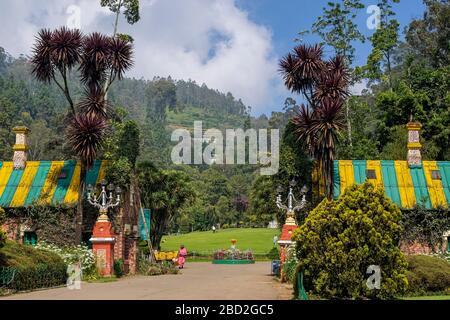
(148, 268)
(233, 254)
(74, 254)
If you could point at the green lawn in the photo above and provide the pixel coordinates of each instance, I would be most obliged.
(260, 241)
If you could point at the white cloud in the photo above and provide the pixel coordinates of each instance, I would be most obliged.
(359, 87)
(209, 41)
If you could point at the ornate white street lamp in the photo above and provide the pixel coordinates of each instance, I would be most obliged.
(103, 201)
(293, 204)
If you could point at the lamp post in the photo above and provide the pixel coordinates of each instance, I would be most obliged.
(103, 239)
(292, 203)
(290, 224)
(103, 201)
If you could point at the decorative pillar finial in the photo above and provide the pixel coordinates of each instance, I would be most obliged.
(20, 147)
(414, 146)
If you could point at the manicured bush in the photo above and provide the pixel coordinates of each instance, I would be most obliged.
(39, 276)
(340, 239)
(35, 268)
(118, 268)
(427, 274)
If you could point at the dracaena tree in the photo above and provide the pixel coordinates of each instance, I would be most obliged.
(324, 84)
(99, 60)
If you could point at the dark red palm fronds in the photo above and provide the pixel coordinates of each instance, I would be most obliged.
(329, 118)
(303, 128)
(86, 135)
(301, 69)
(328, 124)
(95, 59)
(309, 61)
(319, 131)
(94, 103)
(41, 59)
(66, 47)
(287, 67)
(338, 64)
(121, 56)
(331, 84)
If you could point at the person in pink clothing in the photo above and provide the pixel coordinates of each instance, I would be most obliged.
(182, 253)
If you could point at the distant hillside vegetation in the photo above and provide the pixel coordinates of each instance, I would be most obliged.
(158, 106)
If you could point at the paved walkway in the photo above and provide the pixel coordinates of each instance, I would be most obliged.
(200, 280)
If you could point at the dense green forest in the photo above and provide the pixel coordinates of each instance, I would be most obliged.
(407, 77)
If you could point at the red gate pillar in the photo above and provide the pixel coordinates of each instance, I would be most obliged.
(103, 244)
(285, 240)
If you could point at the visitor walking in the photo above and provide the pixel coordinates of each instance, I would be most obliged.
(182, 253)
(275, 240)
(214, 229)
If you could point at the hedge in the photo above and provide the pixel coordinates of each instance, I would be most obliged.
(35, 268)
(427, 274)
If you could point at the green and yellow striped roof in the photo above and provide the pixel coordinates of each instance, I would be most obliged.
(405, 186)
(45, 182)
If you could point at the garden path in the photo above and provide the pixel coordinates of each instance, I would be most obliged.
(199, 280)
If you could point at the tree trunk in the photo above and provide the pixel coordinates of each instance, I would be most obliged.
(79, 211)
(349, 124)
(388, 56)
(116, 23)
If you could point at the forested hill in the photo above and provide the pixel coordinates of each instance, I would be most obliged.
(157, 105)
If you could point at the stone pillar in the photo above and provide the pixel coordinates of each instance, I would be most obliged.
(20, 148)
(103, 245)
(414, 146)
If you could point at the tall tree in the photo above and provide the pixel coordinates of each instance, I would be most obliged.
(325, 85)
(164, 192)
(130, 7)
(98, 58)
(428, 38)
(131, 13)
(384, 41)
(338, 29)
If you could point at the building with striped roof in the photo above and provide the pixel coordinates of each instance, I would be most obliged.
(408, 183)
(27, 183)
(45, 182)
(427, 185)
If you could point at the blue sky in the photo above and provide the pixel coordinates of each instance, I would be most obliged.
(230, 45)
(286, 18)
